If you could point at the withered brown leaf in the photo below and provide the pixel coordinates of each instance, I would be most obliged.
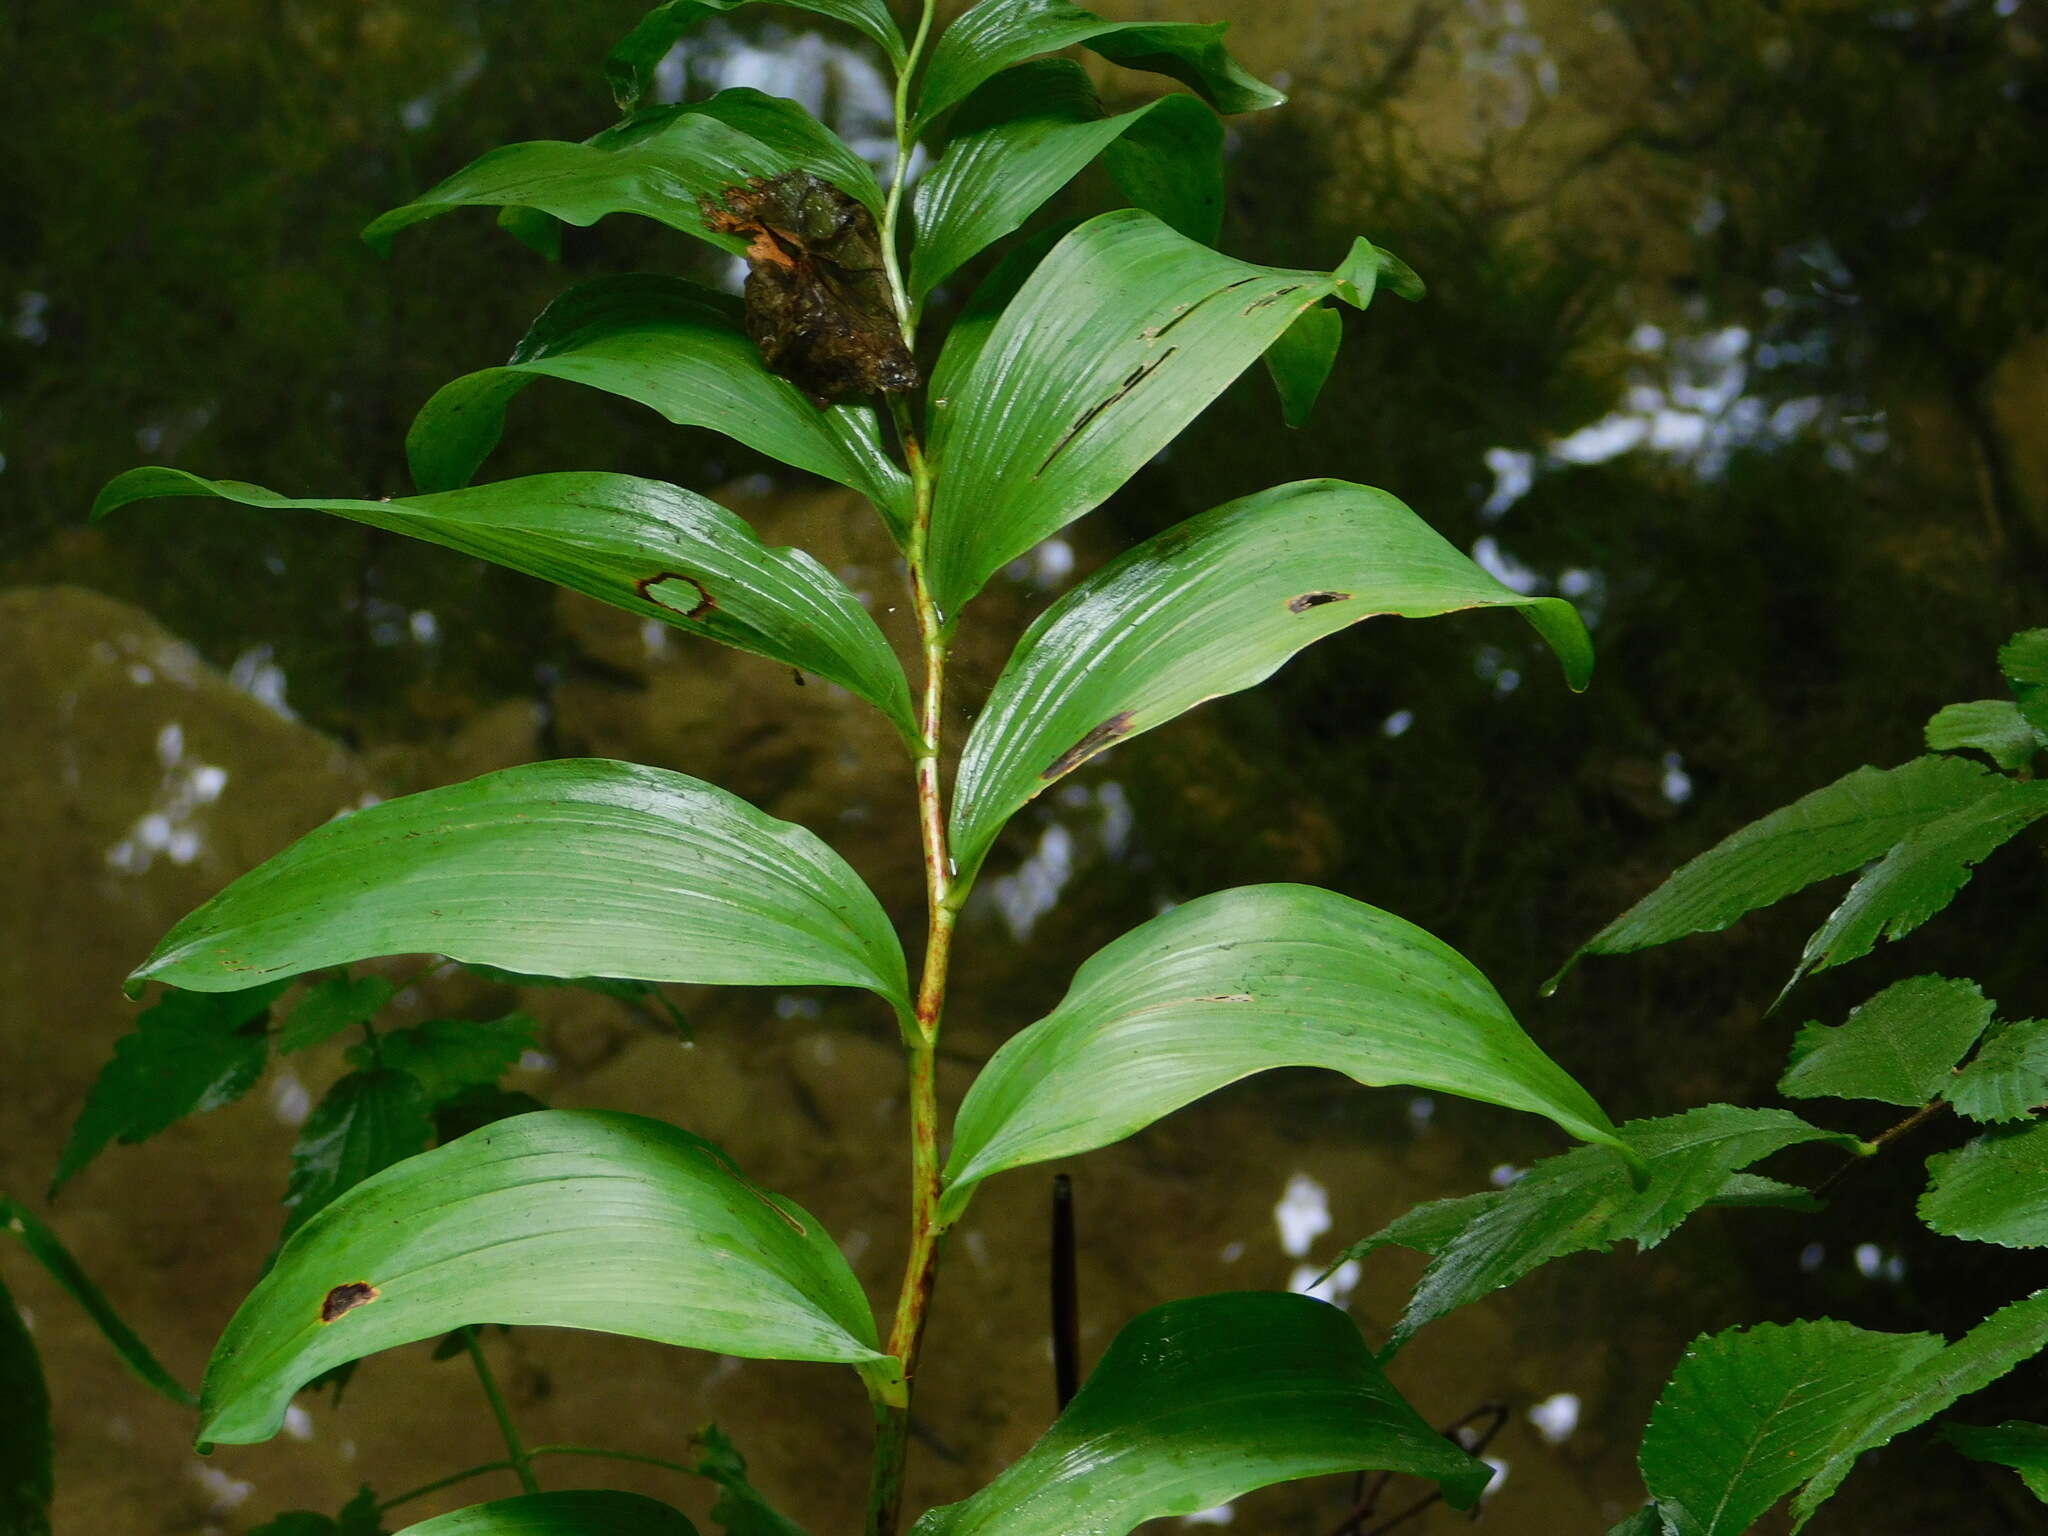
(818, 301)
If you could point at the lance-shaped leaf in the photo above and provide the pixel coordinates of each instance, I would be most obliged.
(1585, 1200)
(1922, 873)
(575, 1512)
(1030, 131)
(629, 67)
(1240, 982)
(579, 867)
(44, 1247)
(26, 1445)
(563, 1218)
(2015, 1444)
(677, 348)
(998, 33)
(1994, 1190)
(1301, 360)
(1116, 342)
(642, 545)
(1994, 727)
(1826, 833)
(1900, 1047)
(1209, 607)
(1923, 1388)
(2008, 1078)
(1199, 1401)
(657, 164)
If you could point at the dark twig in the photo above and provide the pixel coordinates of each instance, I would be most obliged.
(1066, 1309)
(1366, 1495)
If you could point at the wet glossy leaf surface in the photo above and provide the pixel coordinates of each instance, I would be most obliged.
(1994, 727)
(580, 1512)
(1900, 1047)
(2008, 1077)
(641, 545)
(1241, 982)
(570, 1219)
(1199, 1401)
(1210, 607)
(1117, 340)
(576, 867)
(1994, 1190)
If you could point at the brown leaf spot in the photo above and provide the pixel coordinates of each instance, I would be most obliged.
(1309, 600)
(1226, 997)
(1104, 735)
(705, 601)
(346, 1298)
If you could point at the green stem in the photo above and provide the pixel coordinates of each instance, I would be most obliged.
(605, 1454)
(444, 1482)
(1884, 1138)
(906, 146)
(519, 1459)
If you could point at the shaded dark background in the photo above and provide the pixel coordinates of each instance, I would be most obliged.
(1737, 334)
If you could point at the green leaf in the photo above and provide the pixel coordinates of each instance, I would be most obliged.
(2021, 1446)
(43, 1246)
(188, 1053)
(339, 1003)
(1585, 1200)
(1994, 727)
(998, 33)
(2008, 1079)
(674, 347)
(641, 545)
(1115, 342)
(1199, 1401)
(25, 1444)
(1301, 360)
(577, 867)
(1240, 982)
(359, 1517)
(1660, 1517)
(1922, 873)
(365, 1123)
(1209, 607)
(579, 1512)
(1993, 1190)
(446, 1056)
(1924, 1388)
(1900, 1047)
(656, 164)
(1028, 132)
(2024, 661)
(565, 1218)
(740, 1510)
(1750, 1414)
(1826, 833)
(629, 67)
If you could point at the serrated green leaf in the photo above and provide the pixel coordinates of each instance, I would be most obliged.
(679, 349)
(629, 67)
(360, 1515)
(1924, 1388)
(331, 1006)
(1241, 982)
(2024, 658)
(1660, 1517)
(1116, 341)
(2021, 1446)
(580, 866)
(642, 545)
(1585, 1200)
(1826, 833)
(1750, 1414)
(996, 34)
(2008, 1078)
(1301, 360)
(1900, 1047)
(43, 1246)
(1028, 132)
(1992, 1190)
(580, 1512)
(1199, 1401)
(740, 1510)
(25, 1442)
(566, 1219)
(188, 1053)
(656, 164)
(1922, 873)
(1209, 607)
(1994, 727)
(364, 1124)
(446, 1056)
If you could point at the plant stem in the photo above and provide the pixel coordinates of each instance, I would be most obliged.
(906, 146)
(539, 1450)
(1884, 1138)
(606, 1454)
(519, 1459)
(444, 1482)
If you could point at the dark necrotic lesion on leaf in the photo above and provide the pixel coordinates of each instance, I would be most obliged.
(818, 300)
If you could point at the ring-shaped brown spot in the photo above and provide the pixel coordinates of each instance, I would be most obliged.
(705, 602)
(346, 1298)
(1309, 600)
